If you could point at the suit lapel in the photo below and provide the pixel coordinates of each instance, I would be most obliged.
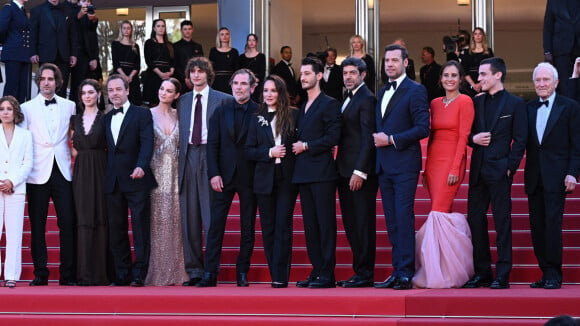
(212, 103)
(532, 117)
(399, 93)
(126, 122)
(48, 13)
(185, 117)
(305, 116)
(555, 113)
(108, 131)
(3, 141)
(498, 110)
(269, 134)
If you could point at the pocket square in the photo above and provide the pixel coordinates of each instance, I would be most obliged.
(505, 116)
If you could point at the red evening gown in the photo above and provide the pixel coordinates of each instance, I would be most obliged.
(444, 254)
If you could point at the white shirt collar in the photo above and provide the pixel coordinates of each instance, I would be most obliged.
(550, 100)
(18, 4)
(204, 92)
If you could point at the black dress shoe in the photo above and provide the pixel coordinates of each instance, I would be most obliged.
(137, 283)
(477, 282)
(192, 281)
(500, 283)
(322, 283)
(358, 282)
(67, 283)
(351, 279)
(39, 281)
(208, 280)
(279, 285)
(538, 284)
(403, 283)
(305, 283)
(552, 284)
(242, 279)
(388, 283)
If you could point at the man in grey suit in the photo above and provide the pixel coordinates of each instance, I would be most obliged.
(195, 110)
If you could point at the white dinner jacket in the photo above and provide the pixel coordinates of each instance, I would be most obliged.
(47, 148)
(16, 159)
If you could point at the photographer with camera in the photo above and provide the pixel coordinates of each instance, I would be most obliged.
(456, 46)
(88, 46)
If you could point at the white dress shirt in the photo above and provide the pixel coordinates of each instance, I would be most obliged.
(117, 121)
(543, 115)
(389, 94)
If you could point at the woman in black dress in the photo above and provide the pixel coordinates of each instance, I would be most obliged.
(478, 50)
(89, 145)
(256, 62)
(269, 143)
(159, 59)
(127, 60)
(224, 59)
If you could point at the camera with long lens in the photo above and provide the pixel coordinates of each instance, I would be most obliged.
(451, 42)
(91, 9)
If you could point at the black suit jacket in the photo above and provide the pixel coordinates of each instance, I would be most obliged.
(134, 148)
(333, 87)
(281, 69)
(430, 79)
(226, 148)
(260, 140)
(509, 133)
(562, 27)
(183, 51)
(558, 153)
(51, 38)
(15, 34)
(356, 149)
(320, 128)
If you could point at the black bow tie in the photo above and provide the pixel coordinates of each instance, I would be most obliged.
(328, 67)
(119, 110)
(391, 84)
(542, 103)
(289, 64)
(49, 102)
(349, 94)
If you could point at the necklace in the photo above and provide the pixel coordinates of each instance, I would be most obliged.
(448, 101)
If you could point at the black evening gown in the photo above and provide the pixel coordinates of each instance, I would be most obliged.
(224, 65)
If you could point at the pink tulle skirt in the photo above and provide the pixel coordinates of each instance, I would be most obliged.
(444, 253)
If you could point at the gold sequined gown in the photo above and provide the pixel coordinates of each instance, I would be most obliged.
(166, 266)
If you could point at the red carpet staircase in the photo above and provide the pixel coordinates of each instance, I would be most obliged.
(261, 305)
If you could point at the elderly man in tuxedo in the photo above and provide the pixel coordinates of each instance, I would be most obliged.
(128, 181)
(16, 52)
(402, 120)
(195, 110)
(552, 166)
(47, 116)
(357, 185)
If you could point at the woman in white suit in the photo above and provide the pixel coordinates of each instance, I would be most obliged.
(15, 165)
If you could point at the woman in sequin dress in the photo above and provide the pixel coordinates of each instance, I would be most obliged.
(166, 266)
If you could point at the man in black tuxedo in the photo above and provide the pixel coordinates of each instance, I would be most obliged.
(128, 181)
(54, 38)
(552, 166)
(562, 39)
(88, 46)
(331, 83)
(285, 71)
(498, 138)
(185, 49)
(430, 74)
(402, 120)
(315, 173)
(357, 185)
(230, 172)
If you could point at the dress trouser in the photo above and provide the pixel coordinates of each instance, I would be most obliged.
(12, 217)
(194, 201)
(60, 190)
(18, 79)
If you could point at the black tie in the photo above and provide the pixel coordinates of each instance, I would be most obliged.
(119, 110)
(349, 94)
(270, 115)
(49, 102)
(391, 84)
(542, 103)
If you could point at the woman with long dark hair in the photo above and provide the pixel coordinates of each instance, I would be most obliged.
(159, 58)
(89, 148)
(270, 137)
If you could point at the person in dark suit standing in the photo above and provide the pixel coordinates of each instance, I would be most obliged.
(316, 175)
(552, 166)
(195, 110)
(402, 120)
(331, 83)
(54, 38)
(286, 72)
(128, 182)
(47, 117)
(561, 38)
(357, 185)
(271, 134)
(429, 74)
(185, 49)
(16, 50)
(575, 79)
(230, 172)
(88, 46)
(498, 138)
